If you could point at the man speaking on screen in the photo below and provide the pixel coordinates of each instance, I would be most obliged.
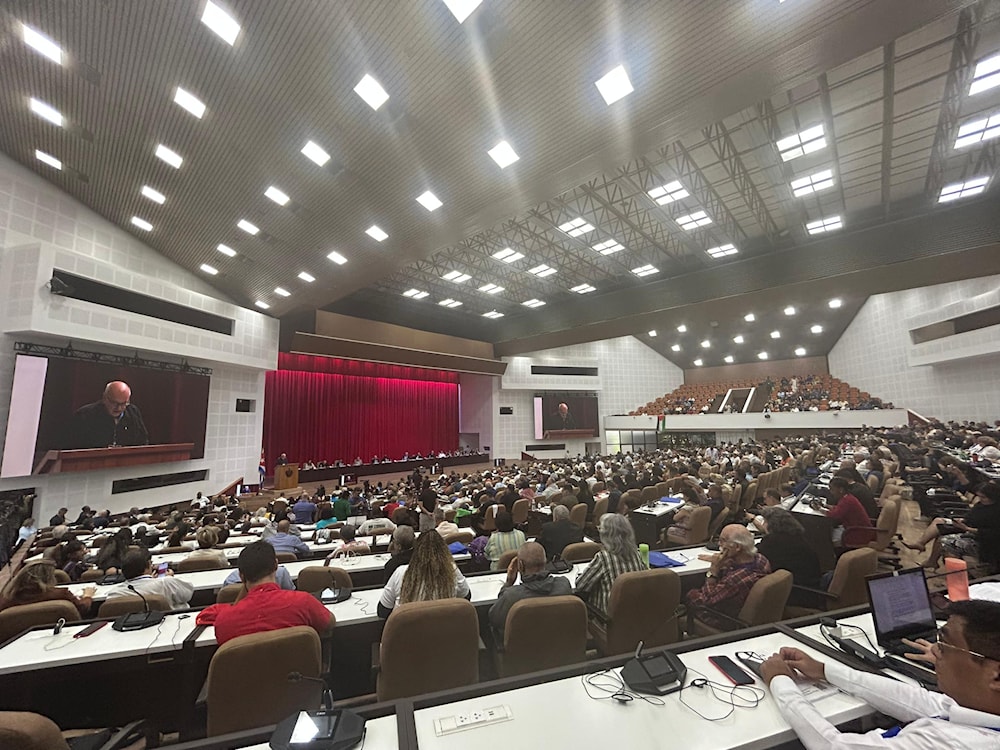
(564, 418)
(113, 421)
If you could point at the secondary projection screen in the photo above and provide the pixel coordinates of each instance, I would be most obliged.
(558, 413)
(62, 405)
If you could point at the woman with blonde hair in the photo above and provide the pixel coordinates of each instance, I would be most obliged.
(431, 574)
(36, 582)
(207, 538)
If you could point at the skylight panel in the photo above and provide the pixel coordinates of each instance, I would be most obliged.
(456, 276)
(46, 112)
(278, 196)
(738, 339)
(450, 303)
(812, 183)
(210, 270)
(491, 288)
(722, 251)
(282, 292)
(728, 359)
(672, 191)
(428, 200)
(816, 329)
(226, 250)
(749, 317)
(533, 303)
(675, 348)
(820, 226)
(646, 270)
(371, 91)
(154, 195)
(170, 157)
(835, 303)
(247, 227)
(221, 23)
(587, 289)
(971, 187)
(800, 144)
(789, 310)
(692, 221)
(142, 223)
(41, 43)
(415, 293)
(542, 271)
(493, 314)
(652, 334)
(698, 362)
(608, 247)
(614, 85)
(682, 328)
(190, 102)
(503, 154)
(316, 153)
(462, 9)
(507, 255)
(376, 233)
(307, 277)
(978, 131)
(576, 227)
(262, 305)
(48, 159)
(336, 257)
(986, 76)
(800, 351)
(762, 355)
(775, 334)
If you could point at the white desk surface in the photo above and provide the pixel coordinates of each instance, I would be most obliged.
(380, 734)
(803, 507)
(661, 508)
(560, 714)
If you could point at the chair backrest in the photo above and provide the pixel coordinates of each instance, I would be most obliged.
(315, 578)
(580, 551)
(286, 557)
(15, 620)
(578, 514)
(544, 632)
(231, 594)
(598, 487)
(767, 598)
(126, 605)
(873, 483)
(265, 659)
(61, 576)
(698, 525)
(662, 489)
(29, 731)
(465, 537)
(848, 583)
(600, 508)
(736, 491)
(751, 494)
(444, 626)
(650, 494)
(490, 519)
(642, 606)
(888, 521)
(192, 566)
(716, 526)
(94, 574)
(505, 559)
(519, 511)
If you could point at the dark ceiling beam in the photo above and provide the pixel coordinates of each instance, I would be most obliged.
(779, 172)
(888, 117)
(831, 137)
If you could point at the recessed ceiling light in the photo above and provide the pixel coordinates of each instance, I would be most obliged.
(336, 257)
(576, 227)
(775, 334)
(456, 276)
(371, 91)
(583, 289)
(429, 201)
(415, 294)
(170, 157)
(307, 277)
(802, 143)
(749, 317)
(315, 153)
(738, 339)
(789, 310)
(698, 363)
(507, 255)
(695, 220)
(46, 112)
(262, 305)
(762, 355)
(493, 314)
(247, 227)
(614, 85)
(728, 359)
(542, 270)
(975, 186)
(978, 131)
(210, 270)
(706, 344)
(450, 303)
(652, 334)
(824, 225)
(675, 348)
(533, 303)
(645, 270)
(664, 194)
(503, 154)
(221, 23)
(722, 251)
(491, 288)
(462, 9)
(812, 183)
(835, 303)
(282, 292)
(376, 233)
(817, 329)
(142, 223)
(190, 102)
(987, 75)
(41, 43)
(226, 250)
(800, 351)
(154, 195)
(682, 328)
(48, 159)
(276, 195)
(608, 247)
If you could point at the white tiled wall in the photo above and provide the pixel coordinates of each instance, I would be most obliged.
(40, 228)
(872, 355)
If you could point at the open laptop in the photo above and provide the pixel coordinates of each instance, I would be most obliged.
(901, 608)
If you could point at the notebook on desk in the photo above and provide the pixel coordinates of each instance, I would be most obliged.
(901, 608)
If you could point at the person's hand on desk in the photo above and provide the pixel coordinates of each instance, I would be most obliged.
(790, 660)
(88, 593)
(926, 654)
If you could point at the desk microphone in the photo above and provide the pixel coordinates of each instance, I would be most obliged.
(327, 695)
(135, 591)
(138, 620)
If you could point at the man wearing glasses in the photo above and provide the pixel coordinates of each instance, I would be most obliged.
(110, 422)
(966, 714)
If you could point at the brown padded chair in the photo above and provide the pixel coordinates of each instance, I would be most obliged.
(750, 495)
(126, 605)
(193, 566)
(642, 606)
(172, 550)
(490, 519)
(15, 620)
(315, 578)
(600, 508)
(231, 594)
(650, 494)
(764, 604)
(519, 511)
(62, 576)
(262, 661)
(286, 557)
(581, 551)
(465, 537)
(578, 515)
(443, 626)
(23, 730)
(543, 633)
(697, 533)
(94, 574)
(847, 587)
(715, 527)
(505, 559)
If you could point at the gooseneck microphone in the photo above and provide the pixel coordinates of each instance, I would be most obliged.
(135, 591)
(327, 694)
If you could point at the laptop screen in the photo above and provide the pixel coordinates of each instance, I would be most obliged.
(901, 604)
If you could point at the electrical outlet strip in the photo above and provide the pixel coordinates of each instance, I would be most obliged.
(472, 720)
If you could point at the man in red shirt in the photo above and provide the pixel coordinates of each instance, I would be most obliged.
(853, 521)
(266, 606)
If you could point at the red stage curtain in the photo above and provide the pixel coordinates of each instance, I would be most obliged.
(320, 408)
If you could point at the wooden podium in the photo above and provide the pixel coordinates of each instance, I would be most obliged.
(286, 477)
(556, 434)
(57, 462)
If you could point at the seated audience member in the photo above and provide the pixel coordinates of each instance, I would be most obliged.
(350, 545)
(785, 547)
(619, 555)
(734, 571)
(854, 525)
(426, 505)
(27, 529)
(112, 552)
(271, 526)
(977, 535)
(559, 532)
(102, 519)
(59, 519)
(207, 538)
(285, 541)
(771, 499)
(374, 526)
(177, 537)
(715, 501)
(69, 559)
(138, 570)
(860, 489)
(304, 510)
(400, 550)
(442, 526)
(535, 581)
(431, 574)
(626, 504)
(145, 537)
(36, 582)
(282, 577)
(505, 539)
(682, 516)
(342, 506)
(326, 518)
(267, 606)
(965, 714)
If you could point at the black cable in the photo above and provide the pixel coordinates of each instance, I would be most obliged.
(729, 695)
(610, 682)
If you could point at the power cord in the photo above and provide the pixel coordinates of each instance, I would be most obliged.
(729, 695)
(844, 626)
(610, 682)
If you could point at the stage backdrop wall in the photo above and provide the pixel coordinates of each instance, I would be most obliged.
(323, 408)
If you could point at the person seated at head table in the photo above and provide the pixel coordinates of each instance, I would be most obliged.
(36, 582)
(431, 574)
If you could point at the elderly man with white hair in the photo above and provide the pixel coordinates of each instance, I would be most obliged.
(734, 571)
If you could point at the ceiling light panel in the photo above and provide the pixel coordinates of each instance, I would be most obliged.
(576, 227)
(307, 277)
(428, 200)
(978, 131)
(749, 317)
(816, 329)
(415, 294)
(282, 292)
(450, 303)
(789, 310)
(226, 250)
(814, 183)
(835, 303)
(503, 154)
(608, 247)
(542, 271)
(45, 111)
(698, 363)
(247, 227)
(672, 191)
(722, 251)
(682, 328)
(507, 255)
(800, 351)
(456, 276)
(491, 288)
(142, 223)
(154, 195)
(652, 334)
(762, 355)
(728, 359)
(775, 334)
(706, 344)
(646, 270)
(986, 76)
(738, 339)
(190, 102)
(221, 23)
(533, 303)
(462, 9)
(828, 224)
(262, 305)
(376, 233)
(336, 257)
(48, 159)
(587, 289)
(800, 144)
(316, 153)
(675, 348)
(277, 195)
(695, 220)
(493, 314)
(170, 157)
(41, 43)
(966, 189)
(371, 91)
(614, 85)
(210, 270)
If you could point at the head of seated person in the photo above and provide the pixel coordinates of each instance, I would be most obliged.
(326, 514)
(402, 539)
(531, 559)
(439, 516)
(560, 513)
(430, 574)
(348, 532)
(207, 537)
(504, 521)
(257, 564)
(137, 563)
(771, 497)
(284, 526)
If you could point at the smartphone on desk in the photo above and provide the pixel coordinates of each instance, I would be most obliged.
(733, 672)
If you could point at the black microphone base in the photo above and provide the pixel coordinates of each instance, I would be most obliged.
(138, 621)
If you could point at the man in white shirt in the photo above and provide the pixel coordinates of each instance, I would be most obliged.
(966, 714)
(138, 569)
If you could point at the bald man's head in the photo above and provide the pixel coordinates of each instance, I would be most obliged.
(532, 558)
(116, 397)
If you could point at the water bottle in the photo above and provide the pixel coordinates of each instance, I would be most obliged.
(644, 554)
